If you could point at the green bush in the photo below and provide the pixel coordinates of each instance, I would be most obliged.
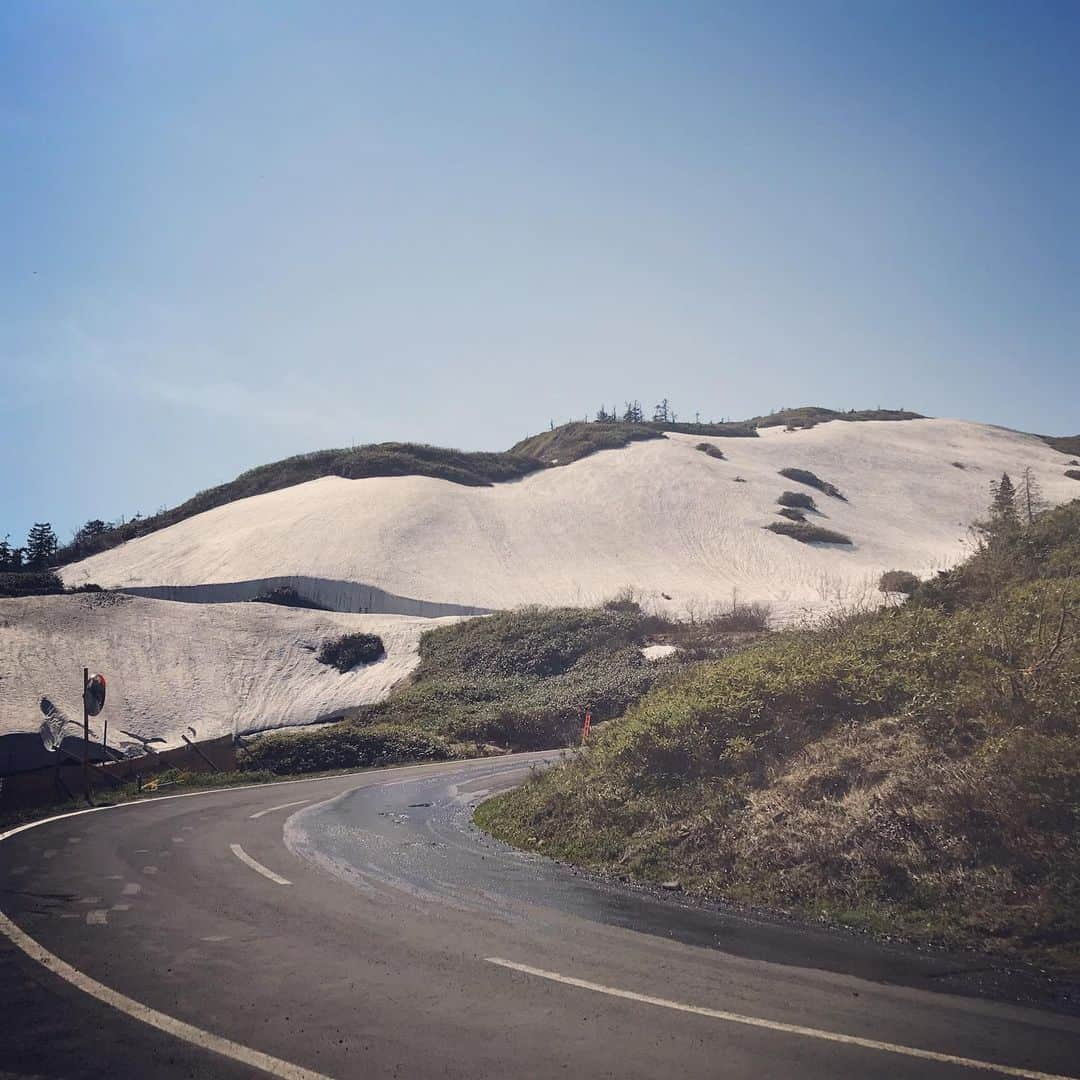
(807, 533)
(351, 649)
(898, 581)
(804, 476)
(798, 499)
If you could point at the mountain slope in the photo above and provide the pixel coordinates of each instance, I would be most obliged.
(657, 515)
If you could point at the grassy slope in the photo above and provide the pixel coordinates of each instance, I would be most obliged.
(515, 680)
(917, 769)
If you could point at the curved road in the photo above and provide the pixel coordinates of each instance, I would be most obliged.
(360, 926)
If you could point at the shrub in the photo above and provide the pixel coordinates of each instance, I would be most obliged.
(791, 513)
(1073, 474)
(806, 533)
(898, 581)
(958, 465)
(352, 649)
(712, 451)
(343, 746)
(30, 583)
(625, 601)
(804, 476)
(798, 499)
(744, 617)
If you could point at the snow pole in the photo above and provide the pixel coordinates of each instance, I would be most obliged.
(586, 726)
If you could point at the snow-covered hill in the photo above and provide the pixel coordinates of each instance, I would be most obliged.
(682, 528)
(218, 667)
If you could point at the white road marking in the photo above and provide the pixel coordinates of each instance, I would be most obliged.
(149, 869)
(89, 900)
(776, 1025)
(283, 806)
(205, 1040)
(131, 889)
(97, 918)
(258, 867)
(121, 907)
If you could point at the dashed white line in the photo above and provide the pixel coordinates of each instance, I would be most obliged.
(131, 889)
(283, 806)
(258, 867)
(776, 1025)
(206, 1040)
(97, 918)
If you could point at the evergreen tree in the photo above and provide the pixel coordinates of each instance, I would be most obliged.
(7, 554)
(1003, 514)
(633, 414)
(1030, 497)
(41, 545)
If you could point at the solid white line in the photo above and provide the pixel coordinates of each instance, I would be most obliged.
(258, 867)
(205, 1040)
(271, 809)
(776, 1025)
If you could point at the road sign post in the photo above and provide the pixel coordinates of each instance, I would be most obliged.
(86, 734)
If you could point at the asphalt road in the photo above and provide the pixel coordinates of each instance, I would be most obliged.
(360, 926)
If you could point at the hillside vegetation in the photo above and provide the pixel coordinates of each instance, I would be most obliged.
(914, 770)
(516, 680)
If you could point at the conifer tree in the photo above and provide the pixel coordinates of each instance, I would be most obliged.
(1003, 514)
(41, 545)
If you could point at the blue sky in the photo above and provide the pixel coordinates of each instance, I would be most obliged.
(234, 232)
